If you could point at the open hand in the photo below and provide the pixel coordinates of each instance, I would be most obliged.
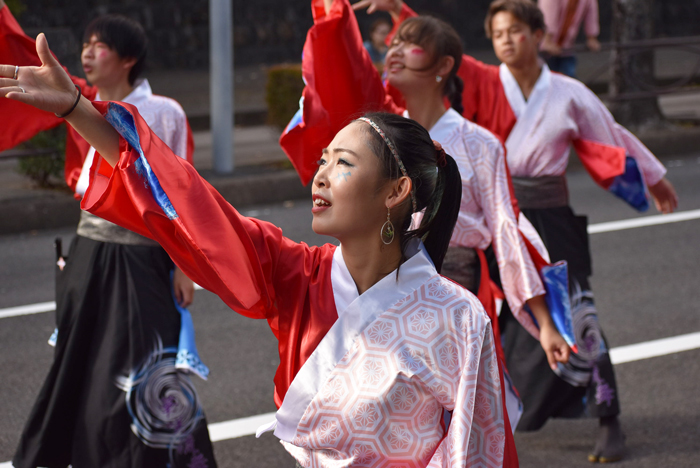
(664, 196)
(47, 87)
(392, 6)
(554, 345)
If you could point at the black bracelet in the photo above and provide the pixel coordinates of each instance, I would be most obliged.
(75, 104)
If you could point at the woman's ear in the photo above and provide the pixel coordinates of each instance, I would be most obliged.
(399, 193)
(445, 65)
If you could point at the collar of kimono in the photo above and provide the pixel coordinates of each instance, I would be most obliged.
(352, 320)
(141, 92)
(515, 95)
(529, 113)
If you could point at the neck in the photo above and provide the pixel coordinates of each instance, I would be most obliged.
(115, 92)
(426, 108)
(368, 266)
(526, 75)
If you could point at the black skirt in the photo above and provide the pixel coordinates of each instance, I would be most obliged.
(585, 386)
(113, 397)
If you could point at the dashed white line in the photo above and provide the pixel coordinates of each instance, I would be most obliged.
(655, 348)
(243, 427)
(27, 310)
(643, 222)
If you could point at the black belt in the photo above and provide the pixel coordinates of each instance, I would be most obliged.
(541, 192)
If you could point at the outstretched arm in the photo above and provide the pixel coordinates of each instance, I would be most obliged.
(48, 87)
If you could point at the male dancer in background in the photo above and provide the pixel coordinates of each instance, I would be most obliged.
(118, 312)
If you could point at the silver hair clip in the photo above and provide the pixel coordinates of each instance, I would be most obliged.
(392, 148)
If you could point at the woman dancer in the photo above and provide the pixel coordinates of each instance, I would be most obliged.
(374, 344)
(421, 64)
(540, 115)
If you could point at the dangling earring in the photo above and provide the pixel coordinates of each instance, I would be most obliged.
(387, 232)
(438, 78)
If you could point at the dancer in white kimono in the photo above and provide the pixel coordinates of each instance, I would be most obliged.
(421, 64)
(541, 115)
(374, 344)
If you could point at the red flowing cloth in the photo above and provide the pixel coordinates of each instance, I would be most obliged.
(20, 122)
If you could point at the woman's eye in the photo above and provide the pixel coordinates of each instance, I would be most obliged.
(321, 162)
(344, 162)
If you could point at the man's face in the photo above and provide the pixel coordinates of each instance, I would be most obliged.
(102, 65)
(514, 43)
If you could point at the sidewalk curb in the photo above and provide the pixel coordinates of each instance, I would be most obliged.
(254, 186)
(53, 209)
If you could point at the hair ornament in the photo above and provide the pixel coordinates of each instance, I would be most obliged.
(440, 155)
(394, 153)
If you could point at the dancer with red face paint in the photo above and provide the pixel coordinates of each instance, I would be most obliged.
(122, 331)
(421, 63)
(540, 115)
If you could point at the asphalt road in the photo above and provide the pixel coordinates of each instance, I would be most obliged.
(646, 285)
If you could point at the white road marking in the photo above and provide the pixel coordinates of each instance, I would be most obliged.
(655, 348)
(27, 310)
(592, 229)
(247, 426)
(643, 222)
(238, 427)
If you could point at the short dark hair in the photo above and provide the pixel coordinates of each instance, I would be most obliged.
(124, 35)
(526, 11)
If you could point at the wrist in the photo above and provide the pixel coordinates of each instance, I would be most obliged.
(73, 105)
(396, 11)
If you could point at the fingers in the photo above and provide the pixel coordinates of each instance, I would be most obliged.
(7, 71)
(550, 357)
(15, 93)
(8, 83)
(361, 5)
(42, 50)
(563, 353)
(187, 296)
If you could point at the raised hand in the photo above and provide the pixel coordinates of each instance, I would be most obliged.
(47, 87)
(392, 6)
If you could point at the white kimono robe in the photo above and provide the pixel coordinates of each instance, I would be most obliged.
(559, 112)
(363, 380)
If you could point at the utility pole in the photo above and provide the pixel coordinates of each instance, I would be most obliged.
(633, 68)
(221, 84)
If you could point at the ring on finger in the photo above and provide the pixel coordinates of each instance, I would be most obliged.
(16, 72)
(22, 89)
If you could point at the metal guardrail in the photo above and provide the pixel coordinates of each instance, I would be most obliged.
(689, 44)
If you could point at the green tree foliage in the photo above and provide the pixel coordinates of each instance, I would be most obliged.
(284, 87)
(46, 170)
(16, 7)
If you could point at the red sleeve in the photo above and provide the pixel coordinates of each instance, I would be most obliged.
(484, 99)
(257, 271)
(341, 84)
(19, 121)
